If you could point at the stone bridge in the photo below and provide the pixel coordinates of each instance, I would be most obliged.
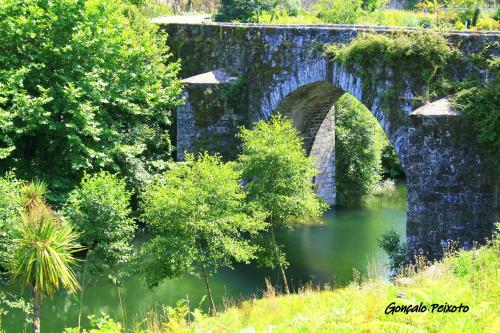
(236, 74)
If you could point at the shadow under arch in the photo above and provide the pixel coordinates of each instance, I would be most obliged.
(311, 109)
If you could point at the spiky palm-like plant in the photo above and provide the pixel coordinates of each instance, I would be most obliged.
(43, 248)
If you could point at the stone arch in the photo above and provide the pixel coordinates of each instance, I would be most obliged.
(306, 95)
(343, 81)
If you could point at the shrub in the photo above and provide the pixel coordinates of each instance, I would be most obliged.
(391, 244)
(293, 7)
(372, 5)
(241, 10)
(339, 11)
(82, 87)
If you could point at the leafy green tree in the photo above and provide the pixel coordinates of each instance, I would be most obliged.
(198, 215)
(278, 178)
(82, 87)
(43, 246)
(359, 142)
(99, 209)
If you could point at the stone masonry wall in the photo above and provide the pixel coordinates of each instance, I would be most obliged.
(452, 189)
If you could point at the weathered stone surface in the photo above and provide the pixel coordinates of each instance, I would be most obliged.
(450, 185)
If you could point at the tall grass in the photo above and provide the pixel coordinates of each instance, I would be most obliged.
(467, 278)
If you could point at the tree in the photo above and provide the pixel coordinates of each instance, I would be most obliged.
(359, 143)
(391, 243)
(43, 246)
(99, 209)
(278, 177)
(82, 87)
(198, 215)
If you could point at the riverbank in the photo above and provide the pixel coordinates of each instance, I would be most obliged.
(434, 295)
(458, 294)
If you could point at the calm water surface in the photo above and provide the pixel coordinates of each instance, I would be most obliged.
(323, 254)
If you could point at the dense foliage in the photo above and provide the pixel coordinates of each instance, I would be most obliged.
(99, 209)
(199, 219)
(277, 175)
(359, 141)
(449, 14)
(339, 11)
(10, 204)
(81, 88)
(481, 105)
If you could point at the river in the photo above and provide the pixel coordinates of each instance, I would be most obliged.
(323, 254)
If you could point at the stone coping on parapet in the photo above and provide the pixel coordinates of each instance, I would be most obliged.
(205, 21)
(439, 108)
(218, 76)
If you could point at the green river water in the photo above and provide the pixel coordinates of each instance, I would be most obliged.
(322, 254)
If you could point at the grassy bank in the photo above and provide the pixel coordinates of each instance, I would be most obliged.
(468, 278)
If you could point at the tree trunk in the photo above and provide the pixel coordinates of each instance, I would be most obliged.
(278, 262)
(36, 312)
(84, 282)
(205, 275)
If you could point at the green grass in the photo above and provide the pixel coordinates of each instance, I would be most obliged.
(469, 278)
